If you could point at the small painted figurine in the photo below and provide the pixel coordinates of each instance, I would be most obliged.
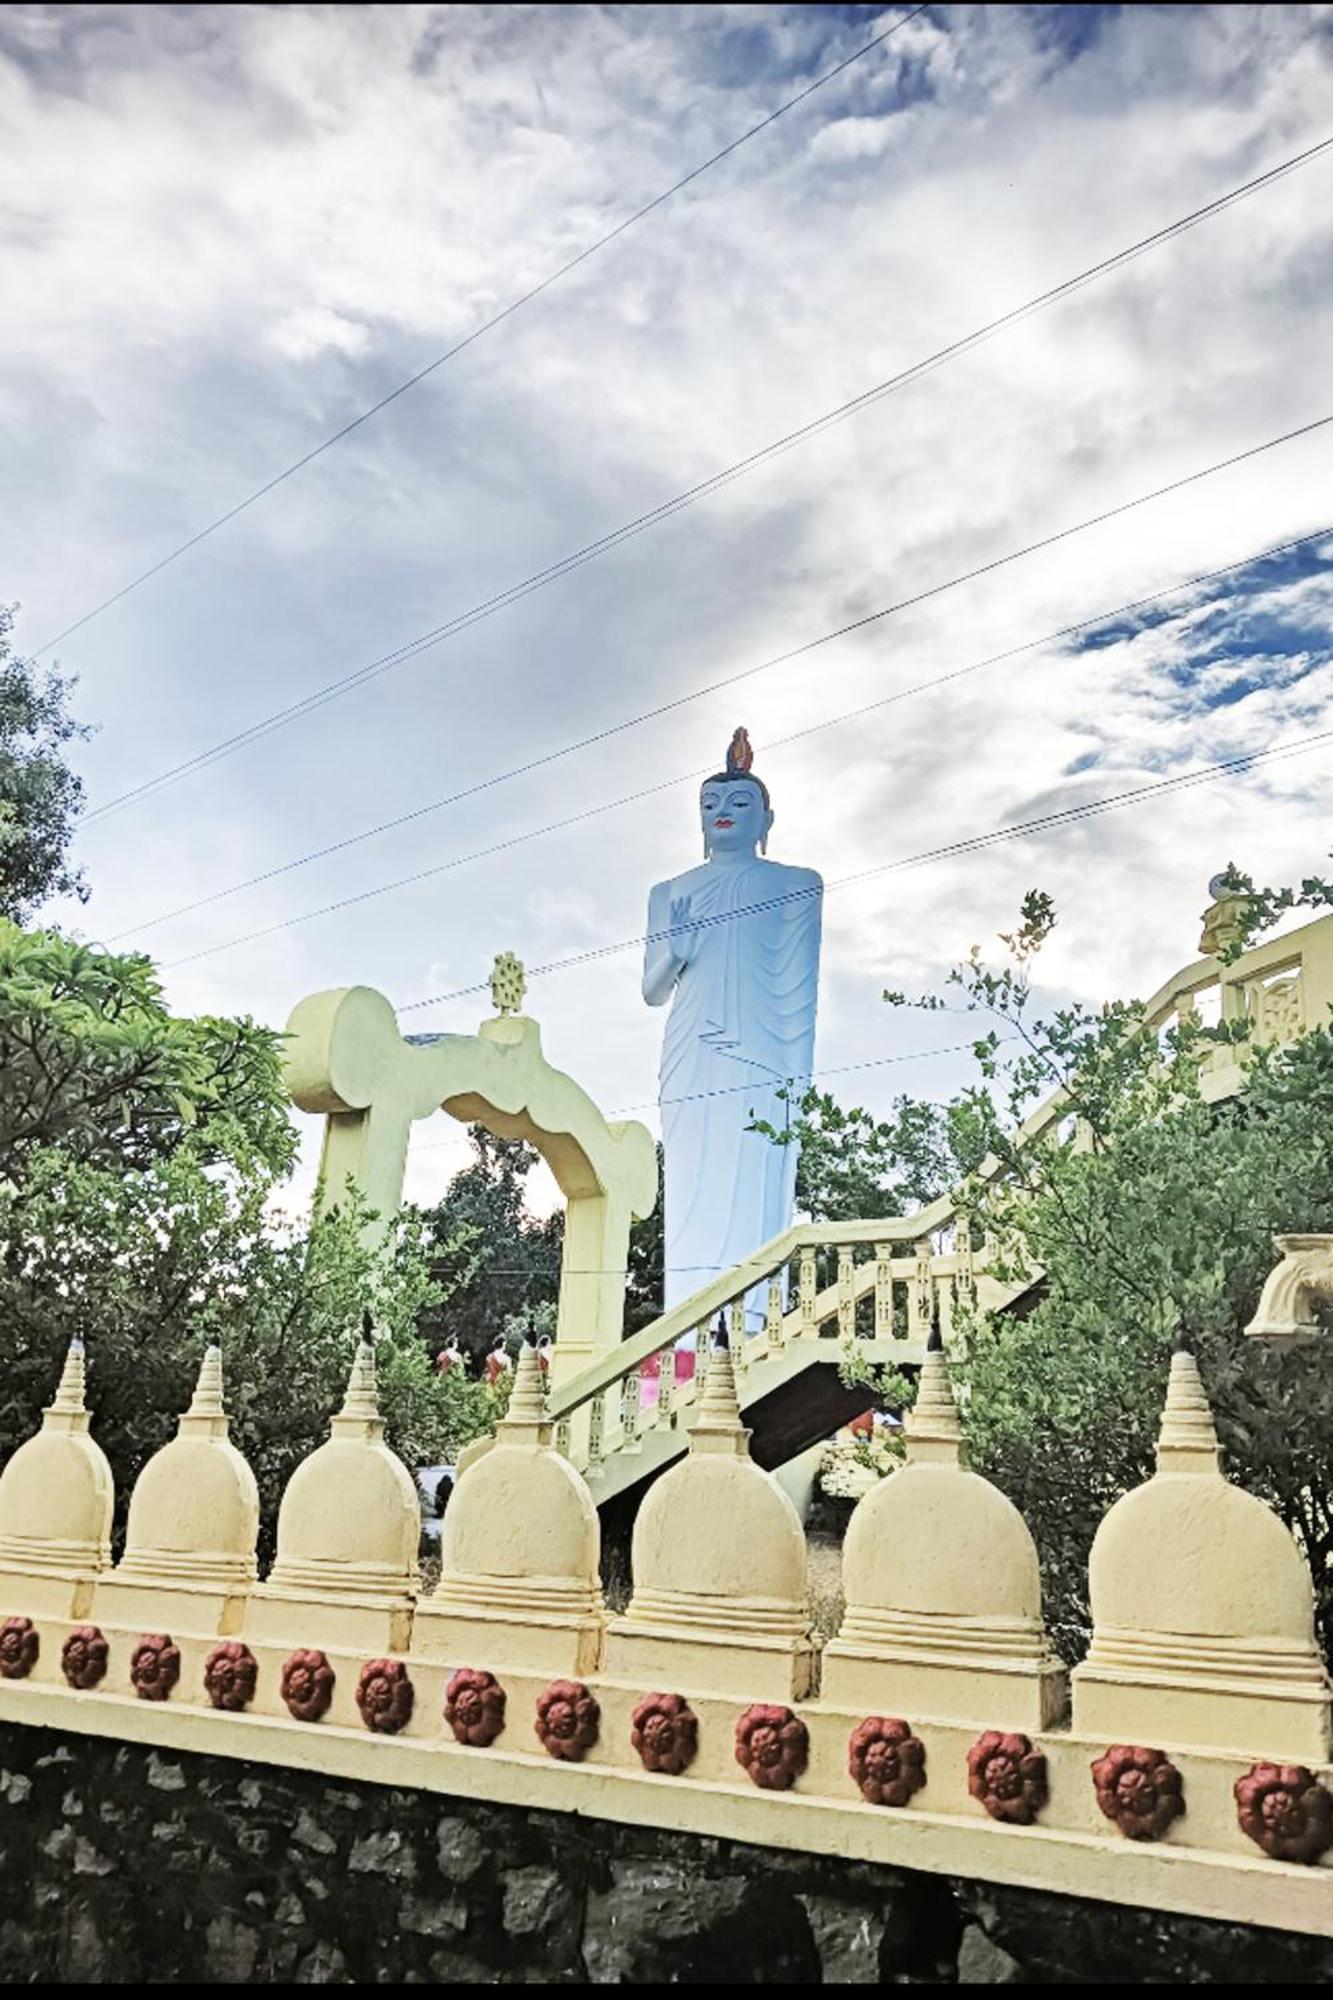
(497, 1363)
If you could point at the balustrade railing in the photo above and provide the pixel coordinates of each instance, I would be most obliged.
(882, 1281)
(888, 1279)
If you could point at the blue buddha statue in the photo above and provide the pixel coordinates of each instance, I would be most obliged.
(733, 945)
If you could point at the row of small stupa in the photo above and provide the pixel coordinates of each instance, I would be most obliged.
(1202, 1603)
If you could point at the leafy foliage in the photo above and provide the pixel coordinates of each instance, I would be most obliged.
(1170, 1229)
(501, 1264)
(1262, 908)
(91, 1061)
(647, 1259)
(1140, 1210)
(140, 1156)
(39, 795)
(852, 1164)
(496, 1261)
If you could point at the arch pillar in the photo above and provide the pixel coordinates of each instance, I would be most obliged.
(346, 1061)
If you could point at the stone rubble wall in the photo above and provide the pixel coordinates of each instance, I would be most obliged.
(120, 1863)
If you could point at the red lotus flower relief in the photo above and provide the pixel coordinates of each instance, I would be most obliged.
(307, 1685)
(568, 1719)
(886, 1760)
(474, 1707)
(385, 1695)
(664, 1729)
(1286, 1811)
(83, 1657)
(230, 1673)
(155, 1667)
(1139, 1789)
(1008, 1776)
(19, 1647)
(772, 1746)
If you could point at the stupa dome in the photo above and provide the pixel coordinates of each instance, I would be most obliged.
(1190, 1553)
(716, 1525)
(935, 1536)
(195, 1505)
(522, 1511)
(350, 1517)
(56, 1492)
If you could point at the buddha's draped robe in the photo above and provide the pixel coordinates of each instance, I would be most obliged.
(742, 1024)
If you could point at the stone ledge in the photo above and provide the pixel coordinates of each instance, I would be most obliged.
(1162, 1876)
(124, 1864)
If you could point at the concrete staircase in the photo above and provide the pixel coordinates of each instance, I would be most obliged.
(879, 1283)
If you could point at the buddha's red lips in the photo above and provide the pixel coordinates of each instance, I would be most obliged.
(724, 822)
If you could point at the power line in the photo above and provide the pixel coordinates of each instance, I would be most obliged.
(615, 538)
(506, 312)
(974, 843)
(780, 659)
(739, 1089)
(668, 784)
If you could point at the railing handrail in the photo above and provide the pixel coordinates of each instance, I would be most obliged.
(1275, 954)
(697, 1311)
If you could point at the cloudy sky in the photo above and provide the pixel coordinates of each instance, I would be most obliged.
(226, 231)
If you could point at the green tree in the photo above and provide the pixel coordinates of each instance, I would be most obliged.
(1166, 1230)
(40, 796)
(501, 1264)
(647, 1256)
(92, 1062)
(1158, 1220)
(498, 1263)
(140, 1158)
(853, 1164)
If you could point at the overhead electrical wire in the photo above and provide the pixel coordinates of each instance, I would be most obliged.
(496, 319)
(461, 1139)
(793, 653)
(540, 579)
(795, 736)
(973, 843)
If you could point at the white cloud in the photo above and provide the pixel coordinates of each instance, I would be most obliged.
(226, 231)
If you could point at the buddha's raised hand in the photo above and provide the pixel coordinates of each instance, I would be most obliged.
(682, 931)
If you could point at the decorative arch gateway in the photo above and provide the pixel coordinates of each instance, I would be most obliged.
(346, 1061)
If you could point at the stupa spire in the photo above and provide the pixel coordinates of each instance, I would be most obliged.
(718, 1427)
(206, 1416)
(526, 1420)
(934, 1434)
(69, 1411)
(1187, 1441)
(69, 1396)
(360, 1413)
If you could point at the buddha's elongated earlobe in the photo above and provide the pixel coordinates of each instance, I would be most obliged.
(763, 843)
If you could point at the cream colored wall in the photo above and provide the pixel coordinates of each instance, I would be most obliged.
(932, 1733)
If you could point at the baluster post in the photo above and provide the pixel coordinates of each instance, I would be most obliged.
(596, 1434)
(846, 1291)
(773, 1317)
(920, 1301)
(666, 1382)
(807, 1283)
(630, 1411)
(884, 1291)
(965, 1280)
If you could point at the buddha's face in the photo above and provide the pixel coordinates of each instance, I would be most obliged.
(734, 816)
